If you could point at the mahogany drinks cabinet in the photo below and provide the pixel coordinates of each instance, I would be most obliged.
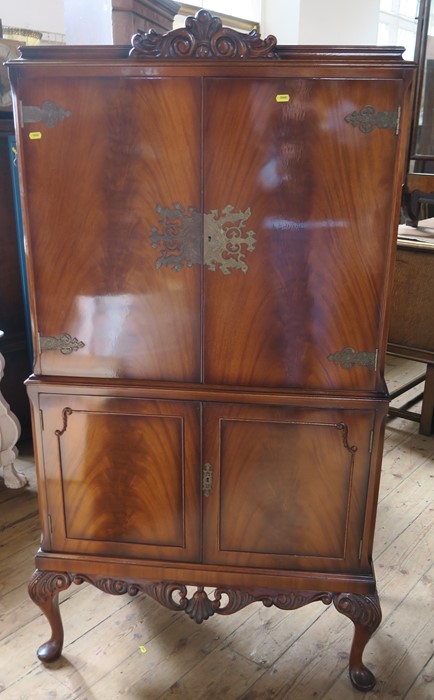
(210, 225)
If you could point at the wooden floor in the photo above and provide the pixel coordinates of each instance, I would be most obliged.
(121, 647)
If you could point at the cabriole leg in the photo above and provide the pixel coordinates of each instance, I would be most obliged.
(365, 612)
(44, 589)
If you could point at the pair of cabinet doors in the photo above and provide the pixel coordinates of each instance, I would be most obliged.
(209, 230)
(230, 484)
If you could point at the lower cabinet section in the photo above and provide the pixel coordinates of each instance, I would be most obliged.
(169, 491)
(275, 487)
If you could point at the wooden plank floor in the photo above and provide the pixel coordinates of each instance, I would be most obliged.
(121, 647)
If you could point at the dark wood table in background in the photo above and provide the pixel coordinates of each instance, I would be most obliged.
(411, 333)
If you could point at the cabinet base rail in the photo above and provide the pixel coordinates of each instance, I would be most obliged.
(362, 609)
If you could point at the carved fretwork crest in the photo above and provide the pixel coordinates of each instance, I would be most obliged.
(203, 37)
(224, 236)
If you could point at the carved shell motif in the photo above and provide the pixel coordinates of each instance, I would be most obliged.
(203, 37)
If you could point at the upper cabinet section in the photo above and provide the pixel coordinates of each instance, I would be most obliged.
(212, 208)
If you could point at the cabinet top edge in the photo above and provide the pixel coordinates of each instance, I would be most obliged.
(294, 54)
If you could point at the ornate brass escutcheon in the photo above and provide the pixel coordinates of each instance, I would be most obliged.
(185, 235)
(207, 478)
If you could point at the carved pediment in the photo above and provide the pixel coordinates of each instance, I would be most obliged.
(202, 37)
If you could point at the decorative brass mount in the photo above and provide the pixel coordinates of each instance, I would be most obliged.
(349, 358)
(65, 343)
(223, 238)
(368, 119)
(49, 113)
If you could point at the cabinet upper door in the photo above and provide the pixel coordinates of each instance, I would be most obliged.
(299, 197)
(101, 158)
(121, 476)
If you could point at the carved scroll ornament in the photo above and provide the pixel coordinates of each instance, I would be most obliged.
(363, 610)
(203, 37)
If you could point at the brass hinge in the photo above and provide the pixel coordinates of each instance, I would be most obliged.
(371, 441)
(207, 477)
(398, 121)
(41, 416)
(360, 549)
(50, 523)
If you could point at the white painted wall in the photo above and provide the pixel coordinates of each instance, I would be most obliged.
(292, 21)
(88, 21)
(282, 19)
(338, 21)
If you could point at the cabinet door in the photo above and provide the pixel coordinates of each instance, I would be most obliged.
(99, 179)
(300, 193)
(289, 486)
(122, 476)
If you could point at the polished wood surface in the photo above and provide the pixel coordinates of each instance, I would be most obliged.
(123, 476)
(320, 259)
(209, 285)
(135, 320)
(293, 487)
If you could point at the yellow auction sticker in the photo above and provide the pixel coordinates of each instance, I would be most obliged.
(282, 98)
(35, 135)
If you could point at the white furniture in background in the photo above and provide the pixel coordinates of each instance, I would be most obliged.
(9, 433)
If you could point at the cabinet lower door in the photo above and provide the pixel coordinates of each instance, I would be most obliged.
(289, 486)
(121, 476)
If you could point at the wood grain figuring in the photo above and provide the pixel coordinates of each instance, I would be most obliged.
(292, 489)
(138, 495)
(319, 262)
(135, 320)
